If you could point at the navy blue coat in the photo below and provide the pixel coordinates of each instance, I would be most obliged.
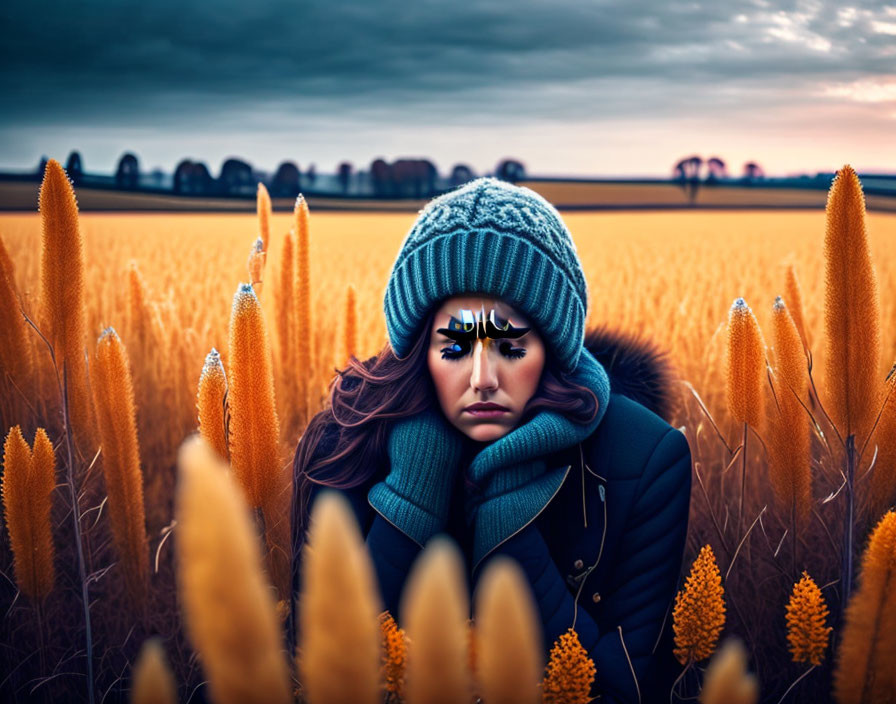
(605, 553)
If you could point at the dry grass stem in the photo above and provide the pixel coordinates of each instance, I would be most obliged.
(263, 207)
(27, 486)
(699, 612)
(852, 310)
(228, 607)
(435, 607)
(255, 265)
(350, 334)
(63, 313)
(509, 662)
(866, 657)
(789, 432)
(727, 679)
(806, 612)
(211, 403)
(303, 332)
(113, 397)
(152, 680)
(569, 674)
(15, 351)
(340, 648)
(746, 365)
(254, 432)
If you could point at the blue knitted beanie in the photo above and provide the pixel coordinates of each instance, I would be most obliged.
(494, 238)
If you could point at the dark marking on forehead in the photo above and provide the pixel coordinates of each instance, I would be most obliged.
(470, 328)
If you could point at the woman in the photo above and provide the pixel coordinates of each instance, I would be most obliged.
(491, 417)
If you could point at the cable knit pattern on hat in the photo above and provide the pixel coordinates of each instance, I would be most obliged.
(495, 238)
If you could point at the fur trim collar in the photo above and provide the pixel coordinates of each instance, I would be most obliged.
(638, 368)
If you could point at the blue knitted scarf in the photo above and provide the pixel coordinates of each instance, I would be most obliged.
(514, 478)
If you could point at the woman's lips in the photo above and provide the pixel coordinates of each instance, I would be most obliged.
(483, 413)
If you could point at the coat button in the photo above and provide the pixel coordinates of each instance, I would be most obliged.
(595, 597)
(578, 564)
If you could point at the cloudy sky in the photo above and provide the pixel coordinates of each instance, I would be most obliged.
(600, 87)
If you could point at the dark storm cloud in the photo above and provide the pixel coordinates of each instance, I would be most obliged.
(117, 59)
(367, 78)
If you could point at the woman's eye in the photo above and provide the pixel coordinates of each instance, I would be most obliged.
(509, 350)
(453, 352)
(456, 350)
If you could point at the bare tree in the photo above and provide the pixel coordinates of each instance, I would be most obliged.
(687, 173)
(753, 172)
(127, 175)
(460, 174)
(286, 182)
(345, 174)
(74, 167)
(236, 178)
(191, 177)
(717, 170)
(510, 170)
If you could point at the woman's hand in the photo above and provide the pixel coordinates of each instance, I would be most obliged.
(424, 455)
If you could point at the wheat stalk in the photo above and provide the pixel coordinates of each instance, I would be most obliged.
(150, 356)
(789, 439)
(27, 486)
(255, 265)
(113, 398)
(395, 650)
(879, 493)
(286, 320)
(699, 612)
(509, 660)
(211, 400)
(805, 614)
(303, 332)
(852, 311)
(727, 679)
(866, 657)
(275, 509)
(62, 294)
(340, 644)
(569, 673)
(152, 679)
(15, 352)
(746, 369)
(350, 335)
(254, 433)
(139, 319)
(263, 207)
(6, 266)
(746, 365)
(435, 611)
(852, 328)
(793, 294)
(228, 608)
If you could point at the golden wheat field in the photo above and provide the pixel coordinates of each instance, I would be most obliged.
(671, 275)
(171, 286)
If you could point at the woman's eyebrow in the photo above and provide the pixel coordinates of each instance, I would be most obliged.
(458, 330)
(457, 334)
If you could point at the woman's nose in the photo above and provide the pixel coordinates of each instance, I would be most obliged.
(484, 376)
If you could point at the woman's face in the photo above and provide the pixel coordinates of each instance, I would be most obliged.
(502, 368)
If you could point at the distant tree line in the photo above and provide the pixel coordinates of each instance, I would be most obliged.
(403, 178)
(691, 171)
